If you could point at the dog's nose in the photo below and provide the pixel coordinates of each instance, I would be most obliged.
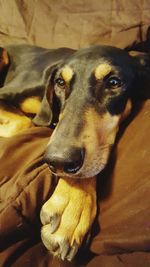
(66, 160)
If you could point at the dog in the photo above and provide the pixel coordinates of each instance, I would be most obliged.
(93, 90)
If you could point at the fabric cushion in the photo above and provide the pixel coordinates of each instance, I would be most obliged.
(74, 23)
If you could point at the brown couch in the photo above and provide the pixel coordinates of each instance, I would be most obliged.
(121, 233)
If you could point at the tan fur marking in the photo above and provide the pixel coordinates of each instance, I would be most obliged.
(127, 110)
(97, 137)
(67, 73)
(12, 121)
(101, 129)
(139, 55)
(102, 70)
(61, 115)
(4, 60)
(31, 105)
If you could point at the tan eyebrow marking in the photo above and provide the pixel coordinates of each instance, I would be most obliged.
(102, 70)
(67, 73)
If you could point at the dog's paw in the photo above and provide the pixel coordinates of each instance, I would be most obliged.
(67, 216)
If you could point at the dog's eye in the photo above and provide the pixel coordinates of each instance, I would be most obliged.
(113, 82)
(60, 82)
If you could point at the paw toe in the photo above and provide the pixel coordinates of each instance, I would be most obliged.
(53, 220)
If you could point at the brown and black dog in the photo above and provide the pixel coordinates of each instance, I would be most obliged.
(94, 89)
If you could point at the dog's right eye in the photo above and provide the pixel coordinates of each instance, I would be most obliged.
(113, 82)
(60, 82)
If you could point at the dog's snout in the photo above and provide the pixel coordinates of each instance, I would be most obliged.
(67, 160)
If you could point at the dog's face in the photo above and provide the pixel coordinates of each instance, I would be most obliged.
(94, 87)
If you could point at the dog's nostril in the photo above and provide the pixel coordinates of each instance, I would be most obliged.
(72, 167)
(76, 163)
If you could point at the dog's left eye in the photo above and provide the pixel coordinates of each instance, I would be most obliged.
(113, 82)
(60, 82)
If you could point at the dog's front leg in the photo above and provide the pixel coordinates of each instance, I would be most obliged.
(68, 216)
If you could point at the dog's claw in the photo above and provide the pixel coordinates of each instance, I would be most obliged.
(64, 248)
(73, 251)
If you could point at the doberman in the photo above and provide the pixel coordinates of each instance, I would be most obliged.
(94, 89)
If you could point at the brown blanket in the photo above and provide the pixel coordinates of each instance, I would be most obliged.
(123, 188)
(122, 228)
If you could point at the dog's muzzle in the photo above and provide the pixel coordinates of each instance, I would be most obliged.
(64, 160)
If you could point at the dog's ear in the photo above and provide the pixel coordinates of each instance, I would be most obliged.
(141, 62)
(46, 114)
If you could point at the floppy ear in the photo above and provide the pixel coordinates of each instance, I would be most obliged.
(142, 66)
(45, 116)
(29, 74)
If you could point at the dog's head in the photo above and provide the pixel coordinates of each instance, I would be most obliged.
(95, 87)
